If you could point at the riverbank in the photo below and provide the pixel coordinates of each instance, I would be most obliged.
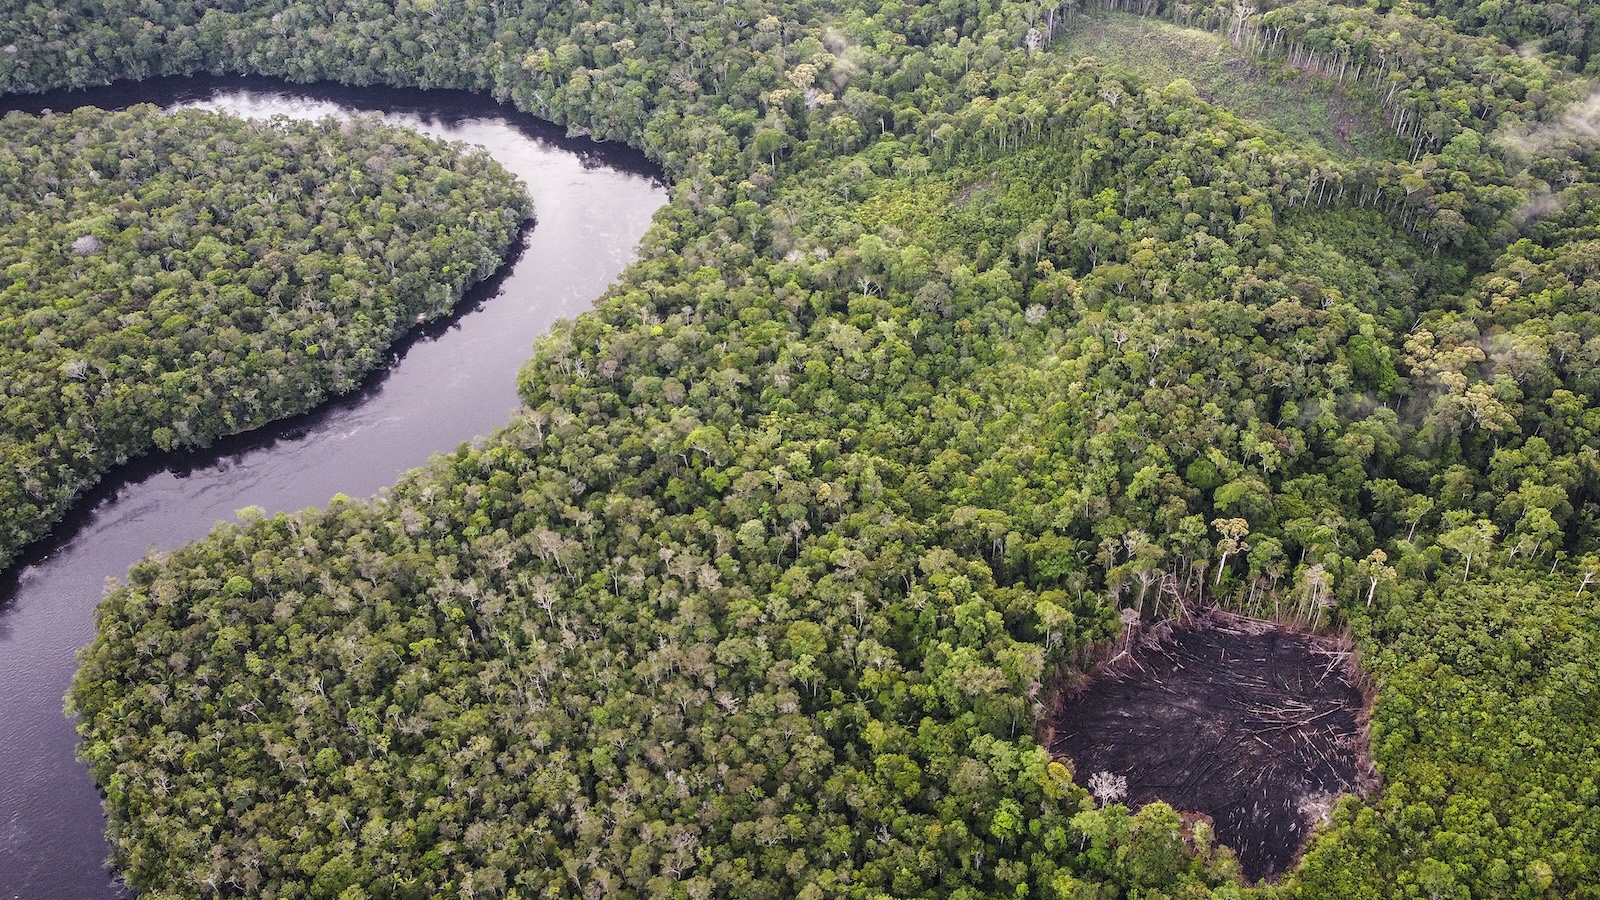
(451, 382)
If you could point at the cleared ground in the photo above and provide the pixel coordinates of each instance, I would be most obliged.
(1256, 727)
(1161, 52)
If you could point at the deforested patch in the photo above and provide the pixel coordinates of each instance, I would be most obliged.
(1255, 726)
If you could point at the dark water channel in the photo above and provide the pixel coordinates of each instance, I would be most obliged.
(453, 382)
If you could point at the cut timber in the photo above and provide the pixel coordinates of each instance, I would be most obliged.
(1248, 723)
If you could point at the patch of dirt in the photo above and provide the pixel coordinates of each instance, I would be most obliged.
(1255, 726)
(965, 195)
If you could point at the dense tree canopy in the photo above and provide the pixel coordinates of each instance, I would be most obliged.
(172, 279)
(949, 356)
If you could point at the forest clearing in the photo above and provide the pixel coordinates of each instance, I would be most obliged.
(1251, 725)
(972, 332)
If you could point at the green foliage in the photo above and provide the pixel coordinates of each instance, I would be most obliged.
(1568, 34)
(168, 280)
(949, 353)
(1486, 732)
(1228, 77)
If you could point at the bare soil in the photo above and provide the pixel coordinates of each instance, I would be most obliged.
(1255, 726)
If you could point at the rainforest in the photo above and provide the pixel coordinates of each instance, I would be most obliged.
(161, 294)
(986, 352)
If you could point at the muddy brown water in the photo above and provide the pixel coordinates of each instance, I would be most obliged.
(1256, 727)
(452, 382)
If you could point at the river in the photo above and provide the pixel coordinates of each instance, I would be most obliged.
(451, 382)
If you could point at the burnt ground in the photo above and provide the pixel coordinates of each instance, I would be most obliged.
(1255, 726)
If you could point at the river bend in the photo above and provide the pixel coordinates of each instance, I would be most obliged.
(452, 382)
